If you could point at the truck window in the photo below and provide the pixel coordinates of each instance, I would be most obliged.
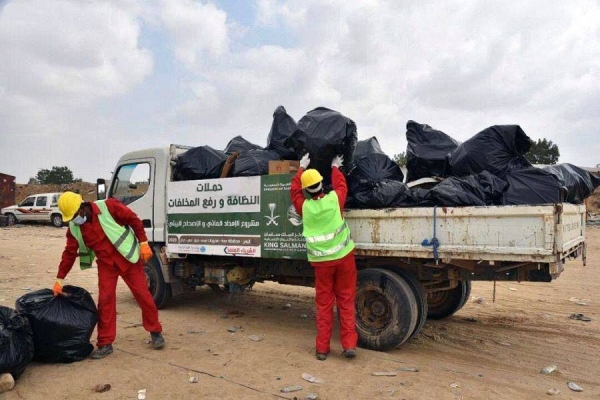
(54, 200)
(131, 182)
(28, 202)
(41, 201)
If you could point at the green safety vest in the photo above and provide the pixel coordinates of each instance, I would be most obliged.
(327, 234)
(121, 237)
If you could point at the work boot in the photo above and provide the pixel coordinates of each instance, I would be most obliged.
(349, 353)
(158, 342)
(321, 356)
(102, 352)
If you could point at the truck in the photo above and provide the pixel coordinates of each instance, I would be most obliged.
(40, 207)
(413, 263)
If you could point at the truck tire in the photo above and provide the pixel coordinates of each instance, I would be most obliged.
(56, 220)
(160, 290)
(386, 309)
(445, 303)
(11, 220)
(421, 298)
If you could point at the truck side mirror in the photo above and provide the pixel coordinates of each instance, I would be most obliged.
(100, 189)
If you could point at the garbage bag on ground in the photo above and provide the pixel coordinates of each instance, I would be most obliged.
(483, 189)
(498, 149)
(254, 162)
(202, 162)
(61, 325)
(16, 342)
(427, 151)
(281, 129)
(383, 194)
(324, 134)
(240, 144)
(532, 186)
(579, 182)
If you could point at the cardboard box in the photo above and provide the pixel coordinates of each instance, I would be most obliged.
(283, 167)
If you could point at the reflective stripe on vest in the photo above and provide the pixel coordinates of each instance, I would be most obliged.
(121, 237)
(327, 234)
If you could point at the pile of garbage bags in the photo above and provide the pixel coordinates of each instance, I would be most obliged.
(46, 328)
(490, 168)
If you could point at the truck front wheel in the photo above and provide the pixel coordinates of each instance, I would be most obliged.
(445, 303)
(160, 290)
(386, 309)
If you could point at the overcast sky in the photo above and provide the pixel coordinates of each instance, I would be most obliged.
(84, 81)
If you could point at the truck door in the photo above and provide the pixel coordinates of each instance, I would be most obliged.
(133, 185)
(25, 210)
(41, 210)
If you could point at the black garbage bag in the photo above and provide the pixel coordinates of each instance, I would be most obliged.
(371, 169)
(62, 325)
(483, 189)
(579, 182)
(498, 149)
(427, 151)
(324, 134)
(240, 144)
(367, 147)
(421, 197)
(202, 162)
(383, 194)
(16, 342)
(254, 162)
(532, 186)
(281, 129)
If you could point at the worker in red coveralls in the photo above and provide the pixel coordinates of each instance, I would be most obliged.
(330, 251)
(112, 233)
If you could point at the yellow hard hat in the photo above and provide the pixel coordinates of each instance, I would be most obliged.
(68, 204)
(310, 177)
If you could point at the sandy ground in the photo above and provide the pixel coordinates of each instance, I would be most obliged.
(488, 350)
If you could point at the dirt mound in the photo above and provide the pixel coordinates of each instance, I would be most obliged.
(593, 202)
(86, 189)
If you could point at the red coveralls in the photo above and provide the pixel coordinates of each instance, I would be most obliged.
(335, 281)
(111, 264)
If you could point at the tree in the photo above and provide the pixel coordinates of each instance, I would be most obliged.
(400, 159)
(56, 176)
(543, 152)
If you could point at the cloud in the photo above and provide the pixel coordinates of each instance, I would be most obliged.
(197, 29)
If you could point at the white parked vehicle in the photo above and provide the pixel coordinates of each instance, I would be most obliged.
(38, 207)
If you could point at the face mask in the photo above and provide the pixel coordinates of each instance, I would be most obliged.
(79, 220)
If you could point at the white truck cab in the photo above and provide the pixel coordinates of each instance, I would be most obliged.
(38, 207)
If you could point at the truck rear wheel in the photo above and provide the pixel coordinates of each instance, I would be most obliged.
(56, 220)
(420, 297)
(160, 290)
(386, 309)
(445, 303)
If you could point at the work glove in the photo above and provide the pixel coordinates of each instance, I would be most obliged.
(337, 161)
(57, 288)
(304, 161)
(145, 252)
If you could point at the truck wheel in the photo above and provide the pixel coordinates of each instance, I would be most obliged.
(445, 303)
(160, 290)
(56, 220)
(421, 298)
(11, 220)
(386, 309)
